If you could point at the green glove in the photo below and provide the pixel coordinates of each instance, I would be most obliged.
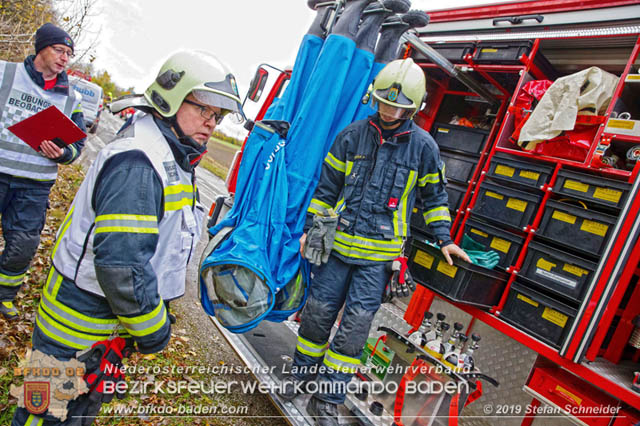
(320, 237)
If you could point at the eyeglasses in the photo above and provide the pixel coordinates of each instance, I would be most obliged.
(206, 113)
(60, 51)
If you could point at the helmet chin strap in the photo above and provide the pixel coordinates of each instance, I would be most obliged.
(390, 123)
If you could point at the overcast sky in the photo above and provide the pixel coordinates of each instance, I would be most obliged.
(137, 36)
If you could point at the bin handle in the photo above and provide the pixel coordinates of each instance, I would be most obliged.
(516, 20)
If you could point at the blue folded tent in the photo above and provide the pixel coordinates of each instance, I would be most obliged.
(252, 269)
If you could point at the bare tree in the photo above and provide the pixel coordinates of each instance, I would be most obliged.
(76, 17)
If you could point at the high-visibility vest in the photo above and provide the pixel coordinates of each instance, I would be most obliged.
(179, 229)
(20, 98)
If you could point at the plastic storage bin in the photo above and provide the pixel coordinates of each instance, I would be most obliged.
(595, 189)
(519, 172)
(454, 52)
(459, 138)
(460, 282)
(576, 227)
(459, 167)
(539, 315)
(456, 195)
(506, 244)
(502, 52)
(555, 270)
(504, 205)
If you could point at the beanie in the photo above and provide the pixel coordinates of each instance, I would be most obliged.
(49, 34)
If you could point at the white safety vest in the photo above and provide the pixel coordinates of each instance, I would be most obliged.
(179, 230)
(20, 98)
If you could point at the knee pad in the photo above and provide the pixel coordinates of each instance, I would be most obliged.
(20, 247)
(317, 320)
(353, 332)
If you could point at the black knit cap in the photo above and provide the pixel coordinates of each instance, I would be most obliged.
(49, 34)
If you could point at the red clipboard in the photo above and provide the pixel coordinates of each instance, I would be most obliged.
(49, 124)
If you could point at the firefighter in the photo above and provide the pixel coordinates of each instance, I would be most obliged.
(123, 248)
(374, 174)
(26, 176)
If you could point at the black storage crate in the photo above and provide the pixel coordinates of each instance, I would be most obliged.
(576, 227)
(502, 52)
(459, 167)
(519, 172)
(539, 315)
(555, 270)
(595, 189)
(461, 282)
(459, 138)
(454, 52)
(506, 244)
(504, 205)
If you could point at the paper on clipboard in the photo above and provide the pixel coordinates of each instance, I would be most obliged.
(49, 124)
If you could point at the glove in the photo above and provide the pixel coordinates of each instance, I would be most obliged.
(401, 283)
(320, 237)
(103, 368)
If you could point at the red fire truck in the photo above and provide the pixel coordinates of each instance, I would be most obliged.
(559, 317)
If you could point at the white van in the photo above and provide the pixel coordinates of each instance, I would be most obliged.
(91, 101)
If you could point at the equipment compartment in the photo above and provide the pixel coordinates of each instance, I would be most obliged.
(461, 282)
(507, 206)
(557, 271)
(506, 244)
(459, 138)
(539, 315)
(459, 167)
(519, 172)
(575, 227)
(595, 189)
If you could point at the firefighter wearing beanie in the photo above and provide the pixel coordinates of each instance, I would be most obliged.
(26, 175)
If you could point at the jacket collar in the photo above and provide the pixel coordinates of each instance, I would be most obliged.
(401, 134)
(186, 151)
(62, 81)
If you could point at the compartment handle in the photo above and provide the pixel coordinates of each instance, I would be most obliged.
(516, 20)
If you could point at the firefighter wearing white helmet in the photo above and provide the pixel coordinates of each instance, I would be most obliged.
(122, 250)
(377, 170)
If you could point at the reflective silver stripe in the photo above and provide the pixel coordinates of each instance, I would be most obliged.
(340, 362)
(439, 213)
(317, 205)
(170, 198)
(68, 105)
(62, 334)
(11, 280)
(54, 311)
(336, 164)
(7, 82)
(34, 421)
(310, 348)
(19, 148)
(155, 321)
(356, 253)
(29, 167)
(369, 244)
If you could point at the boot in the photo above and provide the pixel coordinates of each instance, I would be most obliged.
(349, 20)
(373, 17)
(324, 413)
(320, 23)
(291, 387)
(392, 30)
(8, 310)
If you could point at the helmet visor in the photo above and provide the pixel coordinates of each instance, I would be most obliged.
(394, 112)
(216, 99)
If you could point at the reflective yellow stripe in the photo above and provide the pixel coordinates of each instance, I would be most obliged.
(400, 214)
(317, 205)
(347, 171)
(340, 205)
(369, 243)
(178, 188)
(434, 215)
(62, 334)
(335, 163)
(34, 420)
(177, 205)
(62, 231)
(178, 196)
(130, 229)
(341, 363)
(429, 178)
(362, 254)
(146, 324)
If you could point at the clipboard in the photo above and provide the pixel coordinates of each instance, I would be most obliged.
(48, 124)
